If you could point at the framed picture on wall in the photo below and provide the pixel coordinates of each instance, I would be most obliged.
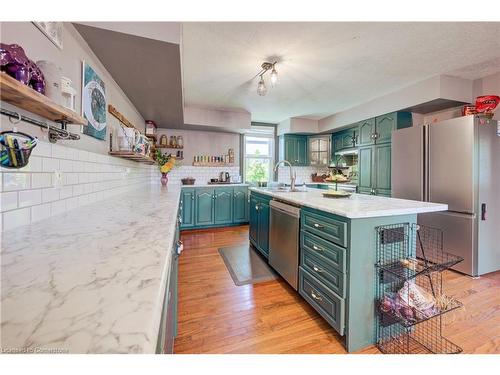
(53, 31)
(93, 103)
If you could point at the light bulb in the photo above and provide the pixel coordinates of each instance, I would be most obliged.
(274, 76)
(261, 87)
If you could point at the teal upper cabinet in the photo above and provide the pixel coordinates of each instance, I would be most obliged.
(366, 130)
(384, 126)
(319, 150)
(344, 139)
(302, 156)
(293, 148)
(204, 200)
(240, 205)
(379, 129)
(187, 204)
(223, 206)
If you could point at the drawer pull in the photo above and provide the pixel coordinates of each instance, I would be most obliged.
(317, 248)
(316, 269)
(319, 226)
(316, 297)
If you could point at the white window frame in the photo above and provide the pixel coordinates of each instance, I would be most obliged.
(246, 156)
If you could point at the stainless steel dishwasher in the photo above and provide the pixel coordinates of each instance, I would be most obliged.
(284, 241)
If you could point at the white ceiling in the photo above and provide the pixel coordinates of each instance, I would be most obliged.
(325, 68)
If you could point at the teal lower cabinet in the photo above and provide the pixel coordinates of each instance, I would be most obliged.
(374, 170)
(259, 222)
(207, 207)
(223, 206)
(337, 271)
(204, 206)
(187, 207)
(240, 205)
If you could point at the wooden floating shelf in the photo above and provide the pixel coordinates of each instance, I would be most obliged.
(172, 147)
(113, 111)
(22, 96)
(213, 165)
(134, 156)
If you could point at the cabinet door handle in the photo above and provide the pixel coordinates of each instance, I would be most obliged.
(256, 207)
(319, 226)
(317, 248)
(316, 269)
(316, 297)
(192, 197)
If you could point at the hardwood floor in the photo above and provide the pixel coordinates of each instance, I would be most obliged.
(216, 316)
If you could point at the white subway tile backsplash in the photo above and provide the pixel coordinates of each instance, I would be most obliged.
(16, 181)
(29, 194)
(50, 165)
(8, 201)
(58, 207)
(40, 212)
(42, 149)
(59, 152)
(70, 178)
(50, 195)
(71, 203)
(30, 198)
(41, 180)
(66, 192)
(66, 165)
(78, 190)
(16, 218)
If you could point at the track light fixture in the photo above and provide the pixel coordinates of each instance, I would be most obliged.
(265, 67)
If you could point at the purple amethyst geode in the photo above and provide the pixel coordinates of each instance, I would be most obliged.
(15, 63)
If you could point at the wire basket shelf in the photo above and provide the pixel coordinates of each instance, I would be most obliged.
(409, 290)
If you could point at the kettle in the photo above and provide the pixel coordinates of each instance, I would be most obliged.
(224, 177)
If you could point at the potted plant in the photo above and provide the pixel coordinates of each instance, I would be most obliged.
(165, 163)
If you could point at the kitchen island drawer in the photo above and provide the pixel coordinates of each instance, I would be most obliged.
(325, 249)
(323, 271)
(328, 227)
(323, 300)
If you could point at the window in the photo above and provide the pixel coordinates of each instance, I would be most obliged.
(258, 151)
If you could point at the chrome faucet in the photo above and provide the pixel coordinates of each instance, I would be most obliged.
(293, 175)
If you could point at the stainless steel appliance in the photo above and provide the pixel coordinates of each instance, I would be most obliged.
(284, 241)
(456, 162)
(224, 177)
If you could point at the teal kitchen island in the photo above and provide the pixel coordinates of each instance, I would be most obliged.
(336, 251)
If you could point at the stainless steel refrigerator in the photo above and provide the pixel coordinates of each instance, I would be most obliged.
(456, 162)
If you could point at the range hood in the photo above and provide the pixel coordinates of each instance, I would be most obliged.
(351, 151)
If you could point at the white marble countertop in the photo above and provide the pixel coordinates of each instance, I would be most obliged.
(91, 280)
(356, 206)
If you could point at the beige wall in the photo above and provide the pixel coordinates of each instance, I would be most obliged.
(205, 143)
(489, 85)
(447, 87)
(38, 47)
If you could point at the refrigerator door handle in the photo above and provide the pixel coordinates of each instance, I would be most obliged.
(483, 211)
